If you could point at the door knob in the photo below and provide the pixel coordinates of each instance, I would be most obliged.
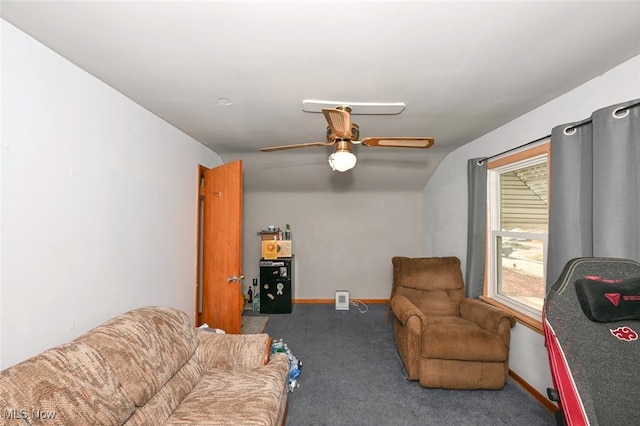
(234, 278)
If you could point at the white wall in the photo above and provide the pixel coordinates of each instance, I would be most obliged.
(341, 241)
(98, 202)
(445, 195)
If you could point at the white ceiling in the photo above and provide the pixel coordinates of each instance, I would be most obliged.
(462, 68)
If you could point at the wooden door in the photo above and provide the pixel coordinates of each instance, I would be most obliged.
(222, 297)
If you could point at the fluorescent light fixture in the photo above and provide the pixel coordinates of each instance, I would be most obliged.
(357, 108)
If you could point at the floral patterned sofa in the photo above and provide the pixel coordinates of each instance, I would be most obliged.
(149, 366)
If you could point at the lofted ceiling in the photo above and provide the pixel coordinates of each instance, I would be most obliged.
(233, 74)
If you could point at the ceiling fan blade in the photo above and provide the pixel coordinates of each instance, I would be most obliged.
(423, 143)
(339, 122)
(297, 145)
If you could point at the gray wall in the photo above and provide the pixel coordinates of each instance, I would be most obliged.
(98, 202)
(444, 196)
(341, 241)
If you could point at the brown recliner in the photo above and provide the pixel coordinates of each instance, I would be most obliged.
(446, 340)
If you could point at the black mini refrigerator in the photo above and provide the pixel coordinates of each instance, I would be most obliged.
(276, 286)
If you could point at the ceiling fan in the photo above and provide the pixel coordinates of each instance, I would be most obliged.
(341, 132)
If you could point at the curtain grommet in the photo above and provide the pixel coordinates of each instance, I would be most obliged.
(571, 130)
(620, 112)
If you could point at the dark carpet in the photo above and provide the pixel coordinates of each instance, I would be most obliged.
(351, 375)
(253, 324)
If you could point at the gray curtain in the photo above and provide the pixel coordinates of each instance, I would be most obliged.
(595, 188)
(476, 226)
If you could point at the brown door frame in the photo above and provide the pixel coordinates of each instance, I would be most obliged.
(197, 315)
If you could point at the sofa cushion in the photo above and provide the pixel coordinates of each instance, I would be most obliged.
(145, 347)
(233, 397)
(160, 406)
(70, 384)
(458, 339)
(231, 351)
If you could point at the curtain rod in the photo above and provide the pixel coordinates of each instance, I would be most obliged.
(513, 149)
(617, 113)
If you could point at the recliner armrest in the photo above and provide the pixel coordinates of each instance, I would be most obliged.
(486, 316)
(403, 309)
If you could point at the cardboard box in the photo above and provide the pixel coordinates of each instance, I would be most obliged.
(269, 249)
(284, 248)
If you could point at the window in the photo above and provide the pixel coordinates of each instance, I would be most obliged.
(518, 201)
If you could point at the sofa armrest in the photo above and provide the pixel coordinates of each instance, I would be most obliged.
(403, 309)
(488, 317)
(233, 351)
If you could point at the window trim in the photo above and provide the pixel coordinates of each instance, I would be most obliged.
(524, 316)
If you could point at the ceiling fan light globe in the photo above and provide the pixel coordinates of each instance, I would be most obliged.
(342, 161)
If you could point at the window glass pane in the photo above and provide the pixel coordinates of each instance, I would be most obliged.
(524, 199)
(518, 224)
(520, 272)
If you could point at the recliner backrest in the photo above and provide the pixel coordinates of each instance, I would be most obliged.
(433, 284)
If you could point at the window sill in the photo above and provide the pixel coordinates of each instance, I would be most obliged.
(523, 319)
